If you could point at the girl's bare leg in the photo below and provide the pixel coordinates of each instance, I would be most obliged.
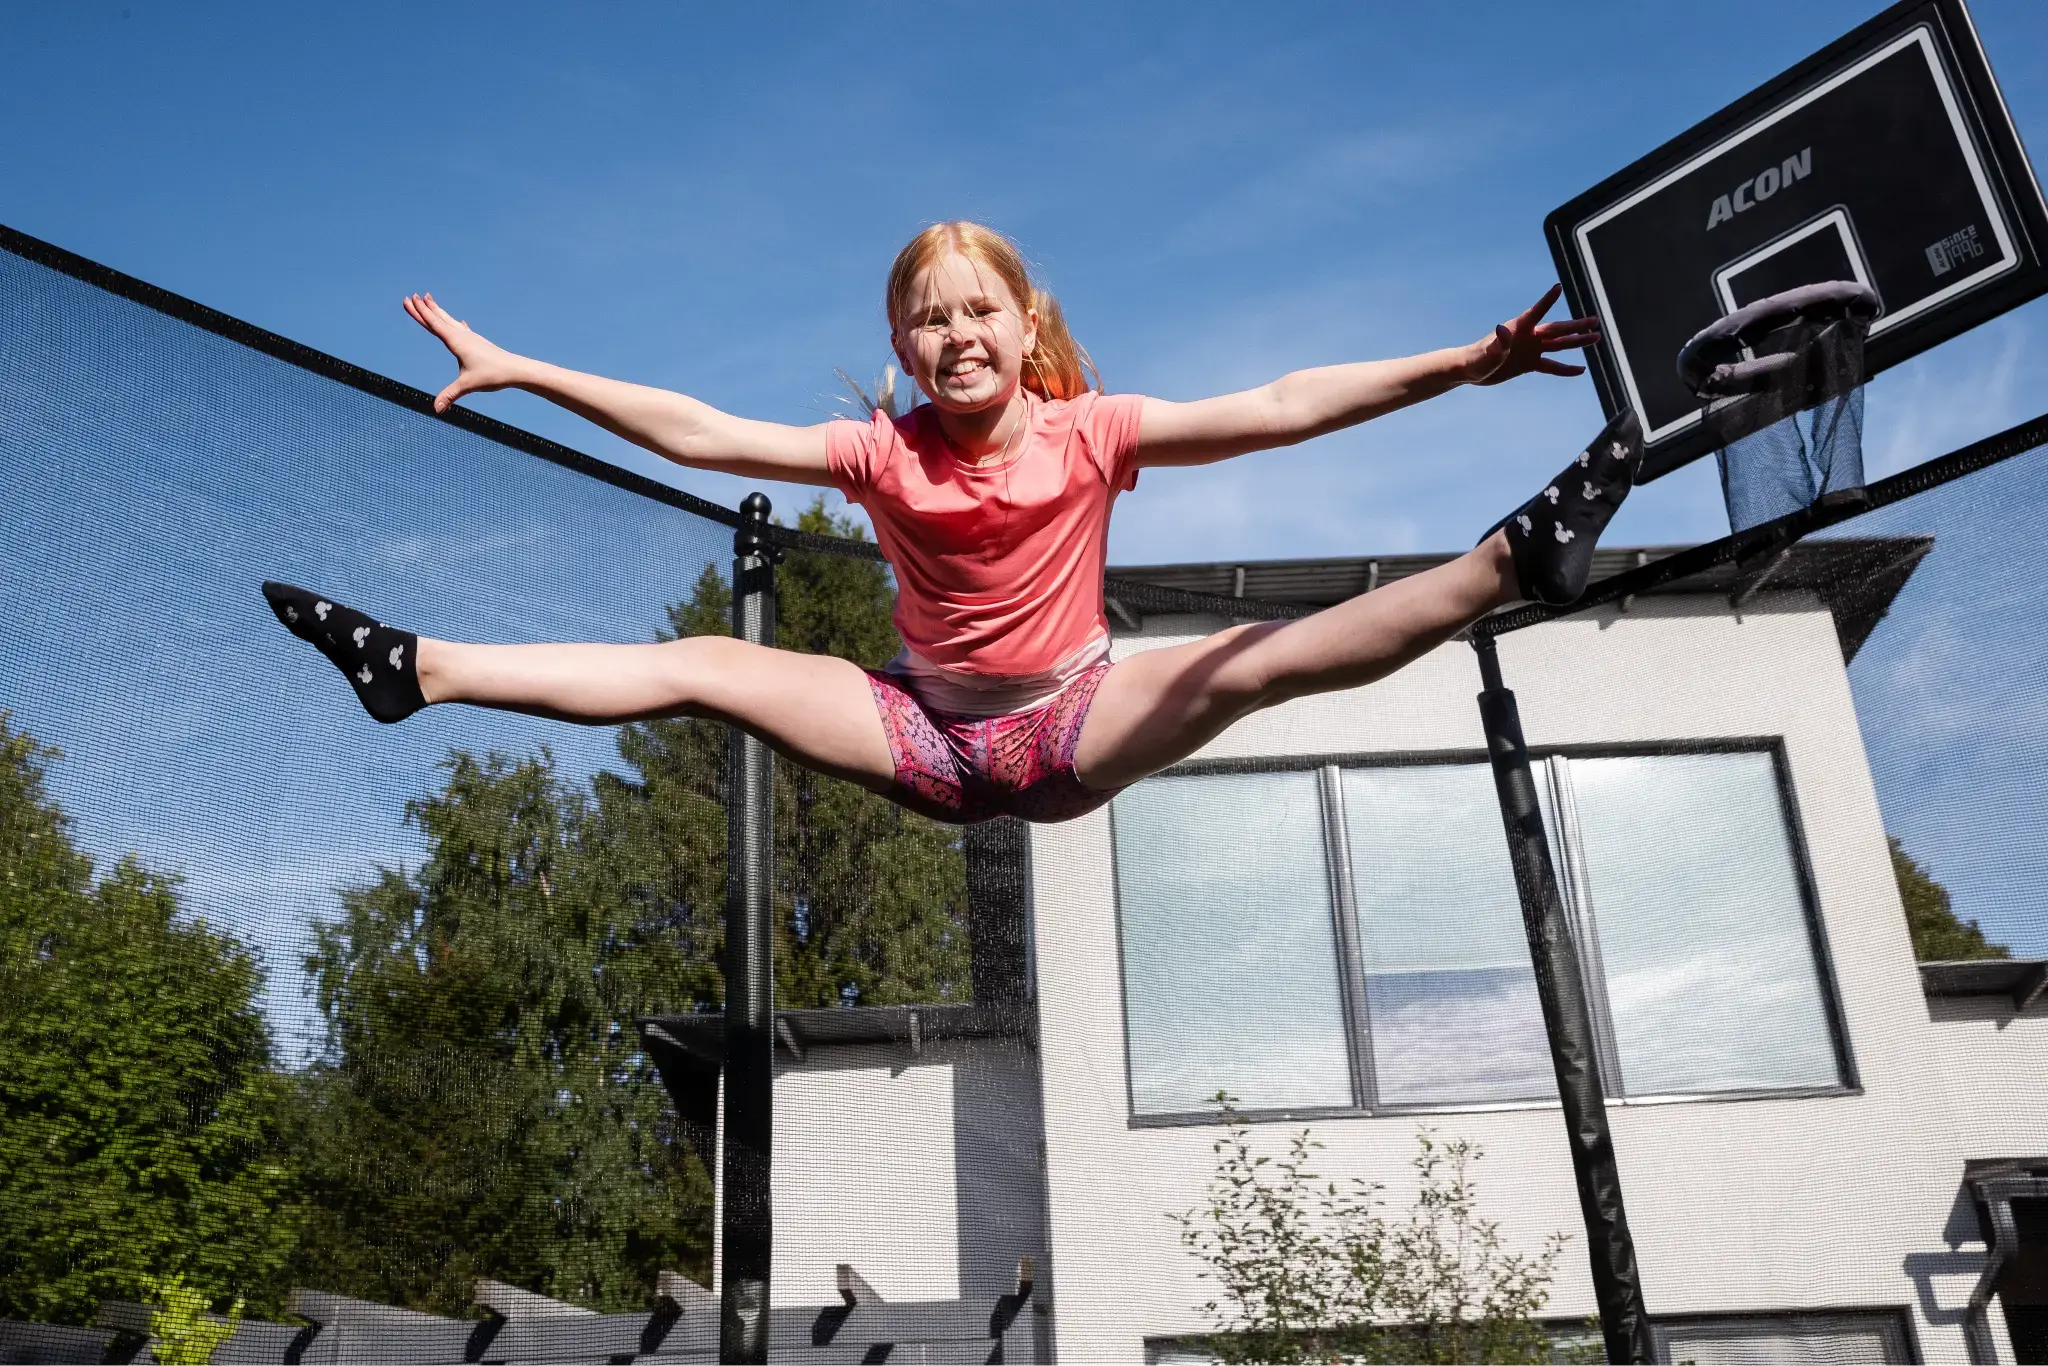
(1156, 708)
(813, 709)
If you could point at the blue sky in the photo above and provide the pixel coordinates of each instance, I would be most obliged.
(708, 198)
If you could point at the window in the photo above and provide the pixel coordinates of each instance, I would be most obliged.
(1711, 979)
(1231, 980)
(1450, 995)
(1771, 1339)
(1350, 937)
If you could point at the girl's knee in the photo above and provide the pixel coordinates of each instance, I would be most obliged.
(1253, 675)
(1243, 688)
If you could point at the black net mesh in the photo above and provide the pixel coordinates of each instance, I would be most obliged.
(1948, 689)
(395, 1037)
(1794, 461)
(403, 1042)
(1781, 389)
(296, 1000)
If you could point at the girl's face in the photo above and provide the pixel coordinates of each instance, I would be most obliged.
(962, 336)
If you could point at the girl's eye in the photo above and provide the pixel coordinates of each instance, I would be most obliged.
(937, 322)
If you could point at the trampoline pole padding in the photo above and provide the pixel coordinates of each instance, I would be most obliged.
(747, 1232)
(1561, 987)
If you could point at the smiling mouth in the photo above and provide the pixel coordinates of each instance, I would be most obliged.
(963, 370)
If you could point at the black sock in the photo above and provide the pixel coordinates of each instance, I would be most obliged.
(1553, 534)
(376, 659)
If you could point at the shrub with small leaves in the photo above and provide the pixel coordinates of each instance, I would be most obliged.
(182, 1332)
(1311, 1271)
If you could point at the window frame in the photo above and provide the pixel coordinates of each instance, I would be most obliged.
(1581, 916)
(1896, 1316)
(1182, 1118)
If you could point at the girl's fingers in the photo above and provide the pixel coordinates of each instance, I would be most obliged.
(448, 320)
(1534, 313)
(1505, 339)
(421, 313)
(1510, 349)
(448, 396)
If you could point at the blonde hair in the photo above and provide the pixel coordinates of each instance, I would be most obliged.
(1057, 366)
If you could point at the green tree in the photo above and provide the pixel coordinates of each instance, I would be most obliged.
(485, 1108)
(871, 901)
(1313, 1271)
(1939, 934)
(140, 1117)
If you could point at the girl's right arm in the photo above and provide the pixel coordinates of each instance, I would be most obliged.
(671, 425)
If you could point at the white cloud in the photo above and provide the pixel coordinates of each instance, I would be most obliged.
(1327, 181)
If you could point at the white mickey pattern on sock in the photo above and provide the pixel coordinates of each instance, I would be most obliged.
(352, 642)
(1554, 534)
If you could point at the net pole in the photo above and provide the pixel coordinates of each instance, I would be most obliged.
(746, 1235)
(1561, 988)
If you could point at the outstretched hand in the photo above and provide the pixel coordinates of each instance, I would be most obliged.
(1524, 343)
(484, 366)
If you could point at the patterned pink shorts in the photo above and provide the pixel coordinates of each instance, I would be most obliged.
(966, 769)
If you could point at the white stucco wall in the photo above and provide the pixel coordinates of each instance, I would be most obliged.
(1737, 1206)
(920, 1172)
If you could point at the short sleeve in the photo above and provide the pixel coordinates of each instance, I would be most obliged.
(1110, 427)
(853, 454)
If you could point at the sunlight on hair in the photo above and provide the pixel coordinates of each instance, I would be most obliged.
(883, 400)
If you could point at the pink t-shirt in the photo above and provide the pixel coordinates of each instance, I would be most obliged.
(998, 567)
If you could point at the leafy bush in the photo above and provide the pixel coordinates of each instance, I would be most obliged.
(182, 1332)
(1314, 1271)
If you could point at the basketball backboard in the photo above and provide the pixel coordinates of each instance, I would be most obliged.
(1887, 158)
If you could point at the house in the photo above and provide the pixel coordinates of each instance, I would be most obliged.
(1824, 1147)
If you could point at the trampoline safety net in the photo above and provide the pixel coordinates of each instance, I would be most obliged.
(328, 1041)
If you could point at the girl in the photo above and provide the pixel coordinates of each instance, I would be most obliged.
(991, 501)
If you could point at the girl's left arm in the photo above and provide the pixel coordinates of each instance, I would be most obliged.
(1311, 402)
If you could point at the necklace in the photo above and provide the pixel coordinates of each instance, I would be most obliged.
(1023, 420)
